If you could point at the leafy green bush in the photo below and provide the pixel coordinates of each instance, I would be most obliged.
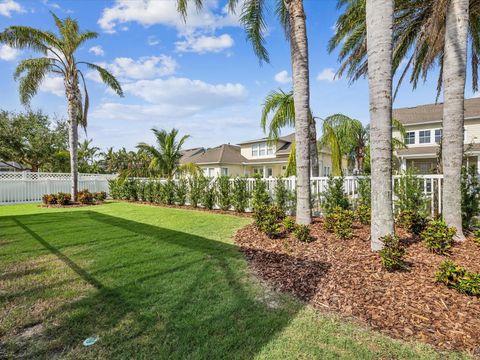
(149, 191)
(393, 253)
(196, 184)
(130, 187)
(364, 214)
(476, 237)
(438, 237)
(168, 192)
(302, 233)
(268, 220)
(240, 195)
(458, 278)
(412, 221)
(181, 191)
(363, 208)
(85, 197)
(115, 188)
(223, 192)
(409, 193)
(281, 194)
(98, 196)
(49, 199)
(64, 198)
(334, 196)
(260, 195)
(470, 195)
(157, 192)
(209, 195)
(289, 224)
(140, 190)
(340, 222)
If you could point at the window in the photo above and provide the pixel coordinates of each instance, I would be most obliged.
(269, 172)
(438, 136)
(326, 171)
(424, 136)
(262, 149)
(270, 149)
(258, 171)
(410, 138)
(225, 171)
(255, 150)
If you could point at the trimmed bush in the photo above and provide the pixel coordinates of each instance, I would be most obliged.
(268, 220)
(181, 191)
(99, 196)
(240, 195)
(334, 197)
(196, 184)
(412, 221)
(364, 214)
(224, 192)
(393, 253)
(209, 195)
(289, 224)
(64, 198)
(438, 237)
(340, 222)
(85, 197)
(470, 195)
(260, 195)
(281, 194)
(458, 278)
(168, 192)
(49, 199)
(302, 233)
(476, 237)
(363, 208)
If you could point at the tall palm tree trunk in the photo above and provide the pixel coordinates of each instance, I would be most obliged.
(313, 148)
(379, 40)
(301, 96)
(454, 68)
(74, 115)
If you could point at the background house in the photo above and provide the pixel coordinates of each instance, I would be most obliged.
(423, 125)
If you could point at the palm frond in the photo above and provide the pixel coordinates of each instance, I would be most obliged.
(253, 20)
(31, 73)
(106, 77)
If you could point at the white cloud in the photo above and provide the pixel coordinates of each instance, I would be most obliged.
(154, 12)
(152, 40)
(327, 74)
(282, 77)
(7, 7)
(203, 44)
(53, 85)
(97, 50)
(8, 53)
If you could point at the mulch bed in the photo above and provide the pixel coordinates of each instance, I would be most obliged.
(71, 205)
(346, 277)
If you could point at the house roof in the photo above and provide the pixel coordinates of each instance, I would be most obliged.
(433, 113)
(12, 165)
(432, 150)
(223, 154)
(287, 138)
(189, 154)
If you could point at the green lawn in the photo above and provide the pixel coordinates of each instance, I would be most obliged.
(155, 283)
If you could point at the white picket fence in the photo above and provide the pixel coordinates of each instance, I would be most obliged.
(16, 188)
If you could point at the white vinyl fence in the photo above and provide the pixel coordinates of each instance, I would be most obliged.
(25, 187)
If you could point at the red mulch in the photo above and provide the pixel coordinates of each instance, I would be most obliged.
(346, 277)
(71, 205)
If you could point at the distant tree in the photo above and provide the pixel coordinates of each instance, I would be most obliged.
(165, 157)
(32, 140)
(88, 157)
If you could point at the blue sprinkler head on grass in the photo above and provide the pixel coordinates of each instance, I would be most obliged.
(90, 341)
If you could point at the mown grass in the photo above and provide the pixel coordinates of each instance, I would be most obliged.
(155, 283)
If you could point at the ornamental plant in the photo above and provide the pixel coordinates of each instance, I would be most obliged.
(64, 198)
(289, 224)
(260, 195)
(334, 197)
(181, 191)
(99, 196)
(470, 195)
(209, 195)
(458, 278)
(340, 222)
(240, 195)
(393, 253)
(438, 237)
(85, 197)
(196, 184)
(49, 199)
(268, 220)
(224, 192)
(281, 194)
(302, 233)
(412, 221)
(476, 237)
(168, 192)
(363, 205)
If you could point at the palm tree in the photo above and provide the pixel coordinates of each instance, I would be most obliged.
(59, 59)
(454, 69)
(167, 155)
(379, 15)
(280, 103)
(292, 18)
(87, 156)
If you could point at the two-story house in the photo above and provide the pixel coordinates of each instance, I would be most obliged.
(258, 156)
(423, 125)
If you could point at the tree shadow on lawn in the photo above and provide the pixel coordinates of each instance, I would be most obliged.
(159, 293)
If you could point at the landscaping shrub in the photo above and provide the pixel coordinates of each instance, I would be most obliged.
(157, 192)
(470, 195)
(240, 195)
(116, 188)
(268, 220)
(140, 190)
(438, 237)
(130, 187)
(458, 278)
(302, 233)
(364, 214)
(393, 253)
(292, 202)
(289, 224)
(334, 196)
(196, 184)
(168, 192)
(85, 197)
(209, 195)
(281, 194)
(476, 237)
(63, 198)
(363, 208)
(260, 195)
(49, 199)
(149, 191)
(340, 222)
(99, 196)
(181, 191)
(412, 221)
(223, 192)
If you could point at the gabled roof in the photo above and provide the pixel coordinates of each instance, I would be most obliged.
(433, 113)
(287, 138)
(223, 154)
(188, 154)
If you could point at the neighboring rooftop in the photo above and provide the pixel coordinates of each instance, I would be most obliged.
(224, 154)
(287, 138)
(432, 113)
(188, 154)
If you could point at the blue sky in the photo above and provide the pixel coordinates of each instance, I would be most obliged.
(201, 76)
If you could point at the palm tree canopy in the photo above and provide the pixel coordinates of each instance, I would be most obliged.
(59, 58)
(418, 39)
(280, 103)
(167, 155)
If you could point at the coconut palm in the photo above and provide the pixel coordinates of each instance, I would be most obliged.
(379, 16)
(454, 69)
(59, 59)
(280, 103)
(165, 157)
(293, 20)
